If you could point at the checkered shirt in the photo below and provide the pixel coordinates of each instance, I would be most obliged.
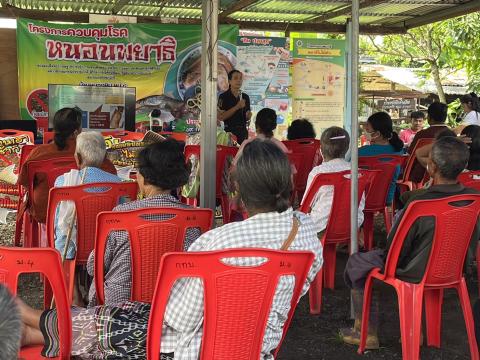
(322, 204)
(118, 276)
(182, 329)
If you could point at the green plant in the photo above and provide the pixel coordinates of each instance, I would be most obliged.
(454, 112)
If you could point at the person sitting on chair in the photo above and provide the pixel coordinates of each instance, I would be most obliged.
(265, 185)
(447, 160)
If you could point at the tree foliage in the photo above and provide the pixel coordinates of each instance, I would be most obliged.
(439, 48)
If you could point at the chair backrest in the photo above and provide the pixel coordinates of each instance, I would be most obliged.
(90, 199)
(470, 179)
(411, 159)
(13, 133)
(152, 232)
(125, 135)
(16, 261)
(223, 152)
(387, 165)
(307, 148)
(338, 226)
(52, 168)
(296, 161)
(48, 137)
(237, 299)
(455, 220)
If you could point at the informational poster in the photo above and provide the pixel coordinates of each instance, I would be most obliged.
(264, 64)
(318, 81)
(162, 61)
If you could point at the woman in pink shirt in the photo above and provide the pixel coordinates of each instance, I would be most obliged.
(265, 124)
(417, 119)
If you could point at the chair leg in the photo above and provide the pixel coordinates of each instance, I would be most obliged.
(18, 230)
(225, 208)
(433, 315)
(467, 314)
(410, 298)
(329, 260)
(387, 216)
(315, 294)
(367, 300)
(368, 230)
(477, 258)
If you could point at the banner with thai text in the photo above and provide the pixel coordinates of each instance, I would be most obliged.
(162, 61)
(318, 81)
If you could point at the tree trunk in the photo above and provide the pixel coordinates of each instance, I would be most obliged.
(438, 82)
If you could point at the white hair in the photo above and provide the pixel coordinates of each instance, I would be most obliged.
(10, 326)
(91, 147)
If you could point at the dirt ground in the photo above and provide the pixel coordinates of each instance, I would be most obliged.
(315, 337)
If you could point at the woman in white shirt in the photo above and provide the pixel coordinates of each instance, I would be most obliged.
(471, 107)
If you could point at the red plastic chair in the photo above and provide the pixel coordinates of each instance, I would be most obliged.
(48, 137)
(338, 226)
(308, 150)
(15, 261)
(90, 199)
(125, 135)
(296, 161)
(152, 232)
(454, 226)
(237, 299)
(12, 132)
(376, 201)
(405, 184)
(223, 152)
(51, 168)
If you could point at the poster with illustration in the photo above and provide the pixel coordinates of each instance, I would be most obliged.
(318, 81)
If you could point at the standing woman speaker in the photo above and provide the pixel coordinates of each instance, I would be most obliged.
(234, 107)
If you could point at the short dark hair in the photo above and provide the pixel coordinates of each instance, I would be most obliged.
(417, 115)
(335, 142)
(438, 112)
(473, 132)
(266, 121)
(155, 113)
(65, 122)
(264, 177)
(301, 129)
(10, 325)
(450, 155)
(162, 164)
(230, 74)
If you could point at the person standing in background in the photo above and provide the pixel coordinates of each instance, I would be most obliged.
(234, 107)
(417, 119)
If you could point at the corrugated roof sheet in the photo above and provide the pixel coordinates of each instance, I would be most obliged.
(389, 13)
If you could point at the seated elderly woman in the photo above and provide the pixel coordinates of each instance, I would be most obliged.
(67, 124)
(264, 183)
(335, 143)
(161, 169)
(89, 154)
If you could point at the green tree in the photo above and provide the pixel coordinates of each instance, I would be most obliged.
(439, 48)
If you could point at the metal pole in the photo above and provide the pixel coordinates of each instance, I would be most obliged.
(353, 53)
(209, 103)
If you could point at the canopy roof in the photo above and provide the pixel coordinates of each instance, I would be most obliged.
(376, 16)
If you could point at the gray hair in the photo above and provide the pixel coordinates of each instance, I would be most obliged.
(451, 156)
(91, 147)
(335, 142)
(10, 326)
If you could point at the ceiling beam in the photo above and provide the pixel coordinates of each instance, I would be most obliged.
(454, 11)
(236, 6)
(345, 10)
(119, 6)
